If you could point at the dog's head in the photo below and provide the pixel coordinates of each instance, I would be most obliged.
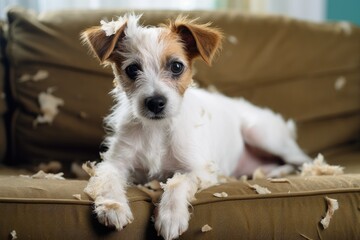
(153, 65)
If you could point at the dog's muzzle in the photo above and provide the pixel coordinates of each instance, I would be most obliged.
(155, 104)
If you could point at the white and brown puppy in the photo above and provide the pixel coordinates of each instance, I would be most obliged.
(162, 128)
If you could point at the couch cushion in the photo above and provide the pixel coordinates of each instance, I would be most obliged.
(46, 209)
(309, 72)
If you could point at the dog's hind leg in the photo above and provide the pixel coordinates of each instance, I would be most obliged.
(269, 132)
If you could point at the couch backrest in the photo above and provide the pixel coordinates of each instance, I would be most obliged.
(309, 72)
(3, 107)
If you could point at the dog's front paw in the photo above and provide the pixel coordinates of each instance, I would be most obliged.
(170, 224)
(113, 214)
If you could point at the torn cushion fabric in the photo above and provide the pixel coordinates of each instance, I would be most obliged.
(298, 204)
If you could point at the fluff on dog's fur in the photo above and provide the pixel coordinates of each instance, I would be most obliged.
(162, 128)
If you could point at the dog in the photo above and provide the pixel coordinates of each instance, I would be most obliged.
(163, 128)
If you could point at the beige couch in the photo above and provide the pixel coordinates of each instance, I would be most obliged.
(308, 72)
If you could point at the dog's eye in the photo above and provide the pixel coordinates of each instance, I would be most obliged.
(132, 71)
(176, 68)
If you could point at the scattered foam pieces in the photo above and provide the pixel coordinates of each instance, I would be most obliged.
(220, 195)
(89, 168)
(171, 183)
(345, 27)
(206, 228)
(259, 189)
(38, 76)
(319, 167)
(13, 235)
(49, 107)
(232, 39)
(110, 28)
(258, 174)
(25, 77)
(340, 83)
(77, 196)
(332, 205)
(153, 185)
(279, 180)
(243, 178)
(43, 175)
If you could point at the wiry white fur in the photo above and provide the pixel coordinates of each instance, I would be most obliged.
(203, 135)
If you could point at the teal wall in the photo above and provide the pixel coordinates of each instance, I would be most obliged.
(348, 10)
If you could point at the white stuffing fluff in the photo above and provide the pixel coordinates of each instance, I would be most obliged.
(332, 205)
(279, 180)
(38, 76)
(43, 175)
(77, 196)
(319, 167)
(232, 39)
(49, 107)
(206, 228)
(259, 189)
(258, 174)
(340, 83)
(13, 235)
(110, 28)
(243, 178)
(153, 185)
(25, 77)
(89, 168)
(345, 27)
(173, 182)
(221, 195)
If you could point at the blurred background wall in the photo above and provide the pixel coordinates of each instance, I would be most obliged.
(348, 10)
(313, 10)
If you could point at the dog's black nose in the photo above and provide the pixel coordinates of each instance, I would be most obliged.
(155, 104)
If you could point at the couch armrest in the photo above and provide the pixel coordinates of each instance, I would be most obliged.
(3, 106)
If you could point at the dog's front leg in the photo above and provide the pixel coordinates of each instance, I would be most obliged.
(108, 189)
(173, 214)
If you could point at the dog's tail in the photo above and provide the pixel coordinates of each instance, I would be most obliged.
(291, 125)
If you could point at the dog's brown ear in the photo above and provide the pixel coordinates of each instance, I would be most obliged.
(199, 39)
(99, 43)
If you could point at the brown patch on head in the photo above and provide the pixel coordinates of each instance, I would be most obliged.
(184, 82)
(198, 39)
(174, 50)
(104, 47)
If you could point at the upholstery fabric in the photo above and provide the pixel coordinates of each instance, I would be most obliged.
(303, 70)
(46, 209)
